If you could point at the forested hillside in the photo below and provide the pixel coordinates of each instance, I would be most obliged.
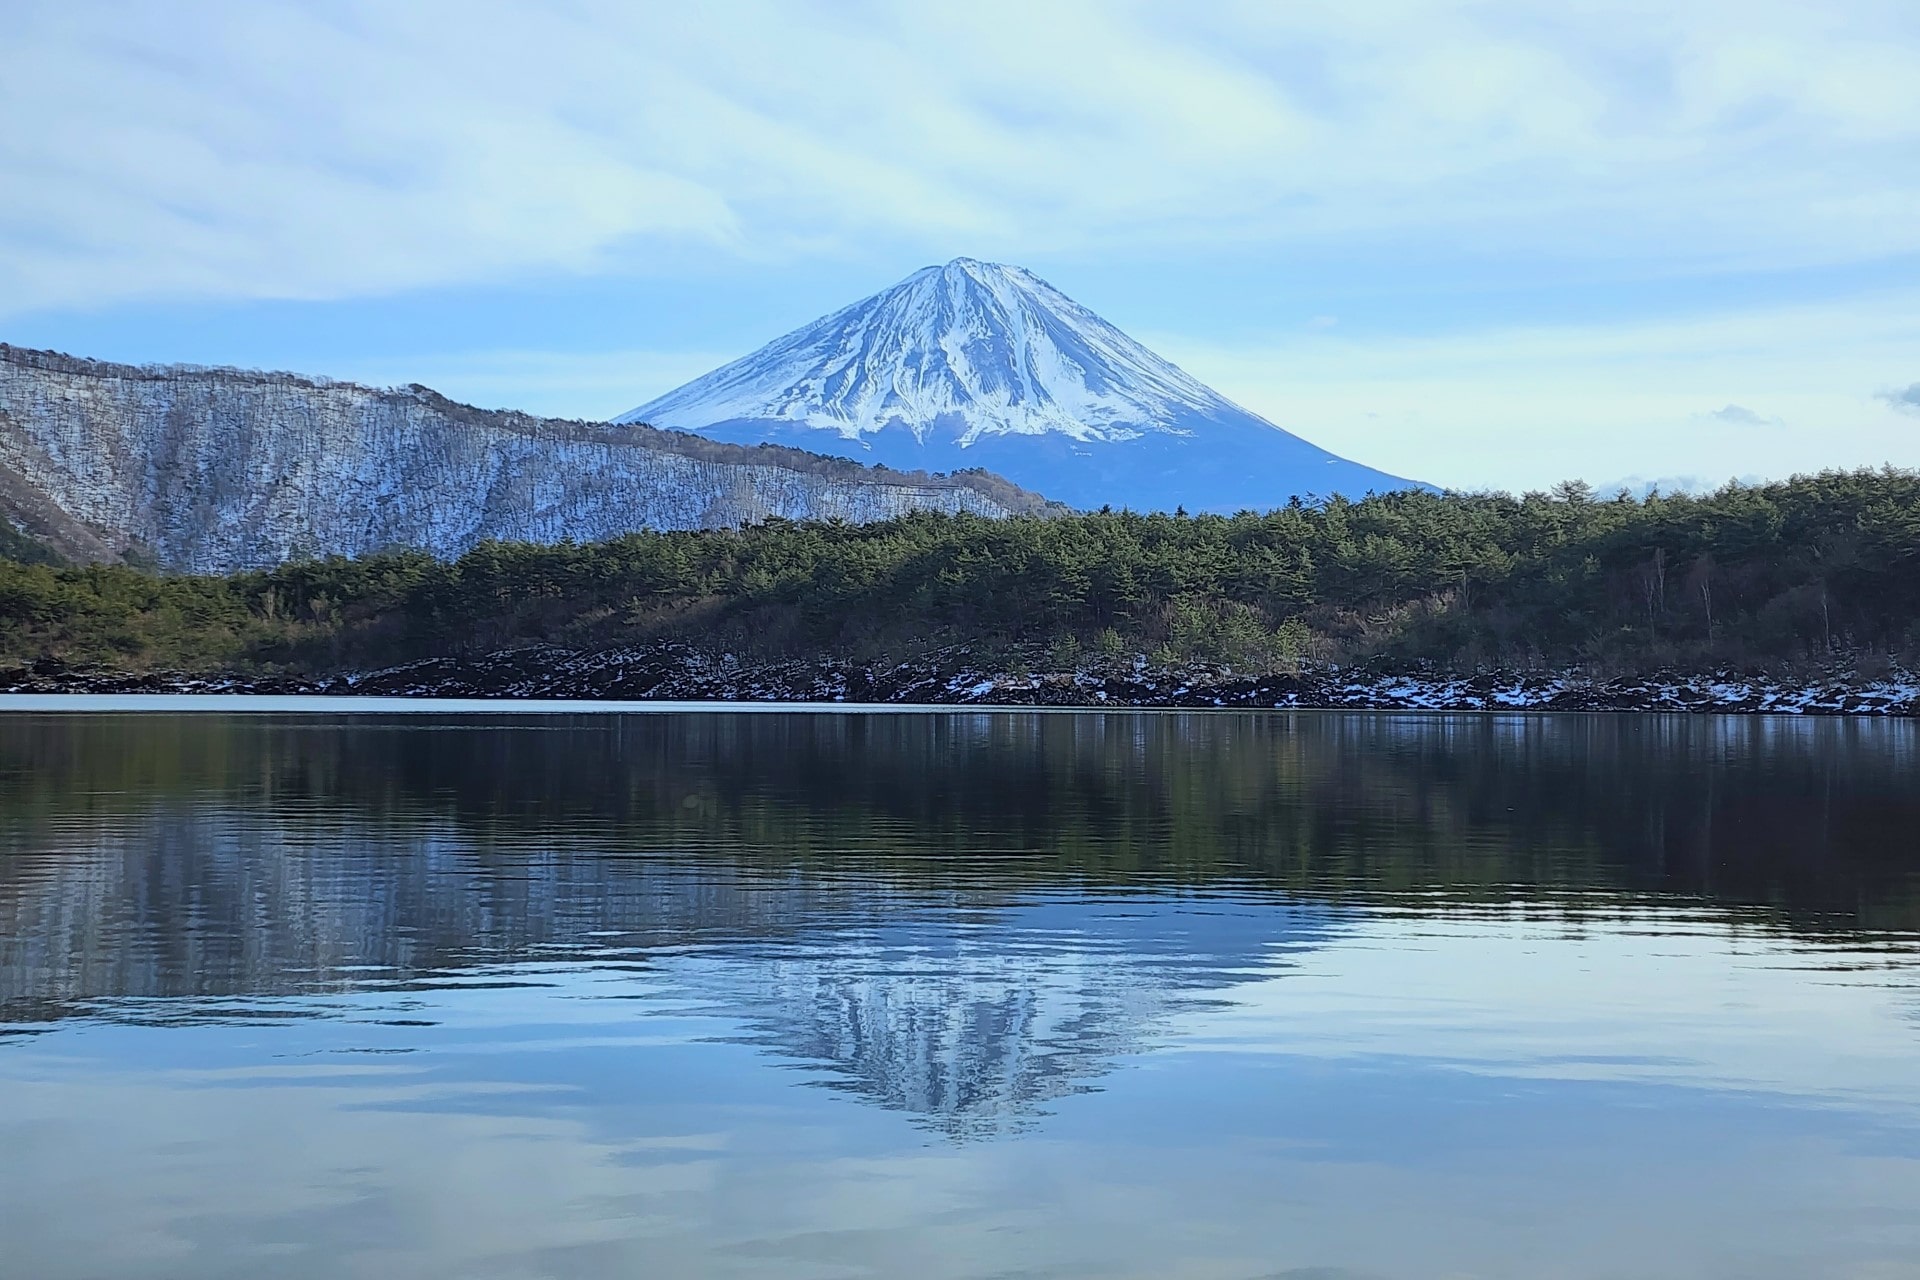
(1784, 573)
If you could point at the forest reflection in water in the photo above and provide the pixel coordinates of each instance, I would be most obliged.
(1393, 957)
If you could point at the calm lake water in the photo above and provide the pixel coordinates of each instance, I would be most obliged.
(709, 994)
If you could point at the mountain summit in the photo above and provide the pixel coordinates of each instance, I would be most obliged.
(976, 364)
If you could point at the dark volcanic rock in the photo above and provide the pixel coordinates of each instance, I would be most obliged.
(680, 672)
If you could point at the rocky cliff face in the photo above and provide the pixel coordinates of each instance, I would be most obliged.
(212, 470)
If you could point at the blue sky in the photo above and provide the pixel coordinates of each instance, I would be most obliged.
(1494, 244)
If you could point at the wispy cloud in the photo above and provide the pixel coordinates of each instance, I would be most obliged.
(332, 148)
(1903, 400)
(1738, 415)
(1644, 486)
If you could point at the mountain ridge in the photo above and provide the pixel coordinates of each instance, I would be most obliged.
(210, 469)
(976, 363)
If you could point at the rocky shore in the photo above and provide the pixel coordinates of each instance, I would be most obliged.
(677, 672)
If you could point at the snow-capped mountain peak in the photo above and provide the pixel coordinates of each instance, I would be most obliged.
(982, 364)
(996, 347)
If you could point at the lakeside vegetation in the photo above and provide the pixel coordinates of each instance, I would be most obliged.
(1795, 572)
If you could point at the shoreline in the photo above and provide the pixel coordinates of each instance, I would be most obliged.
(678, 674)
(195, 704)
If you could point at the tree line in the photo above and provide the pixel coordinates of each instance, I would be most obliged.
(1804, 570)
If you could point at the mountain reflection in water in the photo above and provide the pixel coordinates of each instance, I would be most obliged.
(966, 919)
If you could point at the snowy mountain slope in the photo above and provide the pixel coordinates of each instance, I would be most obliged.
(976, 364)
(211, 470)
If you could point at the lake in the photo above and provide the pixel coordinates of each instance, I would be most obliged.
(700, 993)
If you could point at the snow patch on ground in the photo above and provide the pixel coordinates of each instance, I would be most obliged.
(955, 677)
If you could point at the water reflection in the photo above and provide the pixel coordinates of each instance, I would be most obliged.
(968, 1006)
(1229, 996)
(974, 1019)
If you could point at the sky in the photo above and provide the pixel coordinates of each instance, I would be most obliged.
(1496, 244)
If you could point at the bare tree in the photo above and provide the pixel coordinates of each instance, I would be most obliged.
(1700, 582)
(1653, 580)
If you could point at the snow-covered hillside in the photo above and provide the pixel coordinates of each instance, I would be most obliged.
(976, 364)
(214, 470)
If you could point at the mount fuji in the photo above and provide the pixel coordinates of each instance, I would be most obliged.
(975, 364)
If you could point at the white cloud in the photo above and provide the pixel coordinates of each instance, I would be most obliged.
(249, 151)
(1642, 486)
(1903, 400)
(334, 148)
(1739, 415)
